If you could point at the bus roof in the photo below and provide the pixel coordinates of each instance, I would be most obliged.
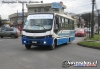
(66, 16)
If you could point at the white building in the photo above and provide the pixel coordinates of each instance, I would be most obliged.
(46, 7)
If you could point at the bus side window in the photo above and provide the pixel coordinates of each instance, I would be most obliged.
(56, 25)
(57, 21)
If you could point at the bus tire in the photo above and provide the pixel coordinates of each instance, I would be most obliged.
(53, 46)
(69, 40)
(1, 36)
(27, 46)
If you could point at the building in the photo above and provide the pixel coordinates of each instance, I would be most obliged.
(5, 23)
(46, 7)
(43, 7)
(56, 7)
(17, 17)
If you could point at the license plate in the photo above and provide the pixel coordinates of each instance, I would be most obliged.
(34, 42)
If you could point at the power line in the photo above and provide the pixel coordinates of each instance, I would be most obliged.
(73, 9)
(82, 2)
(76, 5)
(79, 6)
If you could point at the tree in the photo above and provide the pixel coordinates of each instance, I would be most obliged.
(86, 18)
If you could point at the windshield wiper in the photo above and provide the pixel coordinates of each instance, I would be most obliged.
(40, 26)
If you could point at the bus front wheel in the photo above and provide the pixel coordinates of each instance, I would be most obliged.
(53, 46)
(27, 46)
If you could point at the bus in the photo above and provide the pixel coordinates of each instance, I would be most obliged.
(47, 29)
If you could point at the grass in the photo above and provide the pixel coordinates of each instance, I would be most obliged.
(93, 44)
(96, 37)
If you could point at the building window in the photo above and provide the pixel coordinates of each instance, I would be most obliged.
(56, 9)
(42, 9)
(39, 9)
(46, 9)
(36, 10)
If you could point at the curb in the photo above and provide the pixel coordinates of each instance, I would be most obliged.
(89, 46)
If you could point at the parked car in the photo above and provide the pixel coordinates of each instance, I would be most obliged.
(80, 32)
(9, 32)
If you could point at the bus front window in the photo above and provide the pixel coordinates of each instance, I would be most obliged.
(38, 24)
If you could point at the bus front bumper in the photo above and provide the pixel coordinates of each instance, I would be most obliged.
(43, 41)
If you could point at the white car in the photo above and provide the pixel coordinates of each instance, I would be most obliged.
(88, 30)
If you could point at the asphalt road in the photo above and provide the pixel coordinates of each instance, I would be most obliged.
(13, 55)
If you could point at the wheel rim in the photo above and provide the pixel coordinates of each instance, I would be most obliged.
(53, 46)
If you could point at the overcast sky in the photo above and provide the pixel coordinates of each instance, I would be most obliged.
(74, 6)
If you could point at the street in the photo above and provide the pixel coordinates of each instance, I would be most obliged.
(13, 55)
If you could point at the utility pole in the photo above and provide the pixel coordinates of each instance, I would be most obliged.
(17, 18)
(92, 23)
(80, 21)
(0, 20)
(89, 24)
(22, 14)
(17, 15)
(98, 21)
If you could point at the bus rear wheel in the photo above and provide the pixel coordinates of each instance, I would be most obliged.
(27, 46)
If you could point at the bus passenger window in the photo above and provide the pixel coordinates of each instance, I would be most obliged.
(56, 26)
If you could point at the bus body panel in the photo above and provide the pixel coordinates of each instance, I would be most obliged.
(72, 38)
(33, 41)
(62, 40)
(39, 38)
(72, 35)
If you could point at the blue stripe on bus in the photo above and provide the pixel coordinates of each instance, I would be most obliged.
(62, 40)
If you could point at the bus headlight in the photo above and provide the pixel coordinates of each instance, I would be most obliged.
(24, 41)
(44, 42)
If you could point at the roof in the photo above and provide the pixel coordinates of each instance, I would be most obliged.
(15, 15)
(66, 16)
(41, 5)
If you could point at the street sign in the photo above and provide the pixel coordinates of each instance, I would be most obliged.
(56, 5)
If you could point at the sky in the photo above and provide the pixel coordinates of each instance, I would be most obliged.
(73, 6)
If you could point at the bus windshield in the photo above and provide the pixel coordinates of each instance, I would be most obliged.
(38, 22)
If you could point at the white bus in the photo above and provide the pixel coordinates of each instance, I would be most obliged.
(47, 29)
